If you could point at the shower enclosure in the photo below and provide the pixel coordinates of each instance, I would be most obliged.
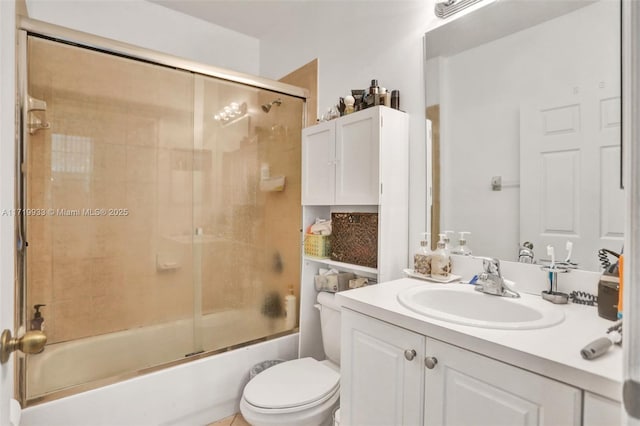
(161, 211)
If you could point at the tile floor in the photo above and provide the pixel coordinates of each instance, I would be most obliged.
(235, 420)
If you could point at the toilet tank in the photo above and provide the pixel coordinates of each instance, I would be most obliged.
(330, 324)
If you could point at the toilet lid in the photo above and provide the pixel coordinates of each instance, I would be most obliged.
(292, 384)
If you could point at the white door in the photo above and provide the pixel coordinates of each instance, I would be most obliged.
(318, 164)
(382, 380)
(570, 175)
(357, 158)
(7, 144)
(464, 388)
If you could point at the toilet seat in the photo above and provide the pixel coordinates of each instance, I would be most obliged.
(292, 386)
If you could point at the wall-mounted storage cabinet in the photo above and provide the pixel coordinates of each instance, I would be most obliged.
(356, 163)
(345, 161)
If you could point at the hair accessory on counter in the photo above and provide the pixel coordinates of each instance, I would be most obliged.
(604, 259)
(583, 298)
(600, 346)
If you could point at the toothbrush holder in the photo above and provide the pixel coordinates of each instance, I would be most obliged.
(553, 295)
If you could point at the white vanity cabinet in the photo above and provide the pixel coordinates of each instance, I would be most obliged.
(347, 160)
(383, 384)
(464, 388)
(601, 411)
(382, 376)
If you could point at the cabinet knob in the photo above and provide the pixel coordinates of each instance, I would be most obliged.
(410, 354)
(430, 362)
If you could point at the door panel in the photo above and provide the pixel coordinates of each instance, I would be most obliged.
(318, 164)
(7, 198)
(374, 354)
(569, 171)
(465, 388)
(358, 152)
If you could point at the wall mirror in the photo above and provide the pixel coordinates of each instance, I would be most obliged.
(524, 100)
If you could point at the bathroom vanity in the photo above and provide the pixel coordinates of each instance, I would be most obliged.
(401, 367)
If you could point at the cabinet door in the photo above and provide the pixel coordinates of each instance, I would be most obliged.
(358, 157)
(465, 388)
(380, 384)
(318, 164)
(601, 411)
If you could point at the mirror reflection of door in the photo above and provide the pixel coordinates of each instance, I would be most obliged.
(569, 168)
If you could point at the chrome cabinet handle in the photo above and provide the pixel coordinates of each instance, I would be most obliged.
(430, 362)
(410, 354)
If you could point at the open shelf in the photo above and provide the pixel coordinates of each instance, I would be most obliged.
(346, 267)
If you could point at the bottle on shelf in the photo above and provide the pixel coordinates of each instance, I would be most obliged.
(422, 257)
(349, 102)
(290, 310)
(440, 260)
(462, 247)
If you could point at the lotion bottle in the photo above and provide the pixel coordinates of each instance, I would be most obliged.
(290, 310)
(422, 257)
(440, 260)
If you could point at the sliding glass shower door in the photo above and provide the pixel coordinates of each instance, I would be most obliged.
(163, 215)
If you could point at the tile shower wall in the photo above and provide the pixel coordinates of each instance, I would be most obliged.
(140, 142)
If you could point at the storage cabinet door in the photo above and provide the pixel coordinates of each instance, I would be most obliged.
(601, 411)
(465, 388)
(380, 384)
(358, 158)
(318, 164)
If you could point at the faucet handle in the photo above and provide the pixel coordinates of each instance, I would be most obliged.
(491, 265)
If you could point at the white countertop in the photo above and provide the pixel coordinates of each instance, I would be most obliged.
(553, 352)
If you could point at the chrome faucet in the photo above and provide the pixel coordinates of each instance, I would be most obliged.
(491, 282)
(525, 255)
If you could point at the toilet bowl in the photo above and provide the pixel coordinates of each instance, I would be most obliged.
(301, 392)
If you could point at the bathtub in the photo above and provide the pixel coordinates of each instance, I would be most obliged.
(195, 392)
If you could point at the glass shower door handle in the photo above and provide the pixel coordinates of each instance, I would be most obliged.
(32, 342)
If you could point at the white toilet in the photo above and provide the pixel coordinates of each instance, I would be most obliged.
(301, 392)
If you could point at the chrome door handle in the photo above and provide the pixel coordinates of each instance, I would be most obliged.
(430, 362)
(410, 354)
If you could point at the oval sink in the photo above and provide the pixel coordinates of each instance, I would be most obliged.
(460, 304)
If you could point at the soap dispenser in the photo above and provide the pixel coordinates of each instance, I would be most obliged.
(37, 322)
(440, 260)
(447, 241)
(462, 245)
(422, 257)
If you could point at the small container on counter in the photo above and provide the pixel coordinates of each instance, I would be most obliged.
(395, 99)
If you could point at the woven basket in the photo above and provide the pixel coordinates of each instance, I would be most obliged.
(354, 238)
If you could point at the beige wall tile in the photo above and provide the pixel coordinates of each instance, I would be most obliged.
(141, 164)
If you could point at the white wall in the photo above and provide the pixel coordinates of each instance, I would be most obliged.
(484, 87)
(154, 27)
(355, 42)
